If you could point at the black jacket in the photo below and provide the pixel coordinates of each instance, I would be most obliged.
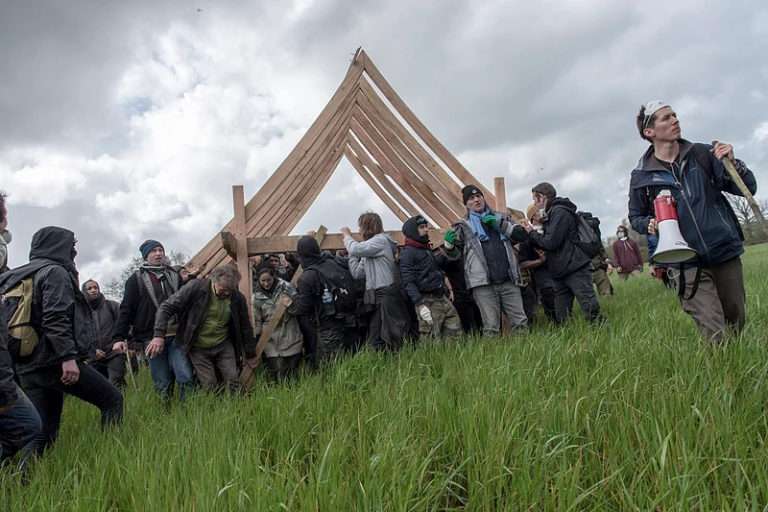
(8, 393)
(59, 310)
(104, 313)
(420, 272)
(190, 305)
(560, 230)
(697, 180)
(136, 319)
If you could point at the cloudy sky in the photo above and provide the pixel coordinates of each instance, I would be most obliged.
(129, 120)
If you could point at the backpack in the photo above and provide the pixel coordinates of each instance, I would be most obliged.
(17, 308)
(588, 234)
(339, 289)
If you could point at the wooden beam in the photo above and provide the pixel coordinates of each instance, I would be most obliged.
(500, 193)
(241, 247)
(421, 130)
(385, 182)
(411, 149)
(303, 147)
(416, 146)
(425, 203)
(259, 246)
(385, 198)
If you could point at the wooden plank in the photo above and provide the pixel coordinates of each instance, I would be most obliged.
(331, 242)
(288, 187)
(370, 139)
(500, 193)
(241, 246)
(229, 243)
(385, 198)
(249, 365)
(421, 130)
(419, 171)
(302, 148)
(376, 171)
(410, 141)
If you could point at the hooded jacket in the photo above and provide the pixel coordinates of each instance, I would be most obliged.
(696, 181)
(59, 310)
(560, 230)
(8, 394)
(373, 258)
(469, 248)
(626, 255)
(420, 268)
(286, 339)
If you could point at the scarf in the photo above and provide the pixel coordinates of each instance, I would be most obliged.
(410, 242)
(475, 222)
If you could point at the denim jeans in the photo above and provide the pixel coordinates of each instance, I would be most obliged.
(46, 391)
(495, 299)
(19, 425)
(170, 365)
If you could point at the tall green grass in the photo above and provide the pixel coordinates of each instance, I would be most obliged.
(637, 415)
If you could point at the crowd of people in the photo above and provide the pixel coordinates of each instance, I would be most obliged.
(491, 272)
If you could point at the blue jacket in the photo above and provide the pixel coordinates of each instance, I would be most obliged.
(697, 180)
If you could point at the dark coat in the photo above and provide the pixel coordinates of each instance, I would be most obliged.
(560, 229)
(190, 304)
(8, 393)
(105, 314)
(59, 310)
(696, 181)
(420, 272)
(136, 319)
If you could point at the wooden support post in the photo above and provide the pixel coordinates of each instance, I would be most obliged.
(500, 191)
(241, 246)
(249, 365)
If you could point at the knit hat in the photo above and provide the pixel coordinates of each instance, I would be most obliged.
(148, 246)
(469, 191)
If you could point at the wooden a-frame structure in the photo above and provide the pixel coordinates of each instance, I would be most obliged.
(398, 157)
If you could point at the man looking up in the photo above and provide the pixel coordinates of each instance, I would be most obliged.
(695, 175)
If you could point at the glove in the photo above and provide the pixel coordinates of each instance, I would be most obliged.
(449, 239)
(490, 220)
(425, 314)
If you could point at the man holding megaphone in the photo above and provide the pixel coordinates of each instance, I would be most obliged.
(700, 236)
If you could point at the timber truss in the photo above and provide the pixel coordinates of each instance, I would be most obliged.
(367, 122)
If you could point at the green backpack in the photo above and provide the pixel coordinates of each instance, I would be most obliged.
(17, 306)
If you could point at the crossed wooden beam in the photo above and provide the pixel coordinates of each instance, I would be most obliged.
(396, 155)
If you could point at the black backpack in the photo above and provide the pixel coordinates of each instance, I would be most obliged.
(588, 234)
(338, 286)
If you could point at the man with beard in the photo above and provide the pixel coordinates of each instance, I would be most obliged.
(145, 290)
(104, 312)
(53, 365)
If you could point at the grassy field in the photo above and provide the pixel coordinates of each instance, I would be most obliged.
(637, 415)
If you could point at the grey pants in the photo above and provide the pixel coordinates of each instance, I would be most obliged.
(578, 285)
(493, 299)
(220, 359)
(719, 302)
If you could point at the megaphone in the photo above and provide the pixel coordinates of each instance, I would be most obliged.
(672, 246)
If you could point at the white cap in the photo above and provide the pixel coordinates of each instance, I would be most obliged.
(651, 108)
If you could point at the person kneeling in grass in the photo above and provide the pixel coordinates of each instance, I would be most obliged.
(424, 282)
(213, 327)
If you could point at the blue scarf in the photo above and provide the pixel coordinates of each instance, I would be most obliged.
(478, 228)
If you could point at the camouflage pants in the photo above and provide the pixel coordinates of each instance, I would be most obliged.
(445, 319)
(603, 283)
